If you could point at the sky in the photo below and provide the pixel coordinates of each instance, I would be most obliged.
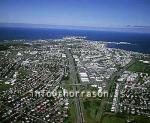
(91, 13)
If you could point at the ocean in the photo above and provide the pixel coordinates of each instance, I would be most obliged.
(138, 42)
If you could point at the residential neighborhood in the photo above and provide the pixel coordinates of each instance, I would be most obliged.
(31, 71)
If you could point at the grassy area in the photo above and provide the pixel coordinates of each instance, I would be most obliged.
(4, 86)
(68, 85)
(22, 73)
(92, 110)
(139, 66)
(113, 119)
(72, 108)
(71, 114)
(140, 119)
(112, 86)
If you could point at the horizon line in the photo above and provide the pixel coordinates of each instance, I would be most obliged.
(37, 24)
(127, 28)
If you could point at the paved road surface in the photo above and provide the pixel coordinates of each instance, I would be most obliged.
(73, 77)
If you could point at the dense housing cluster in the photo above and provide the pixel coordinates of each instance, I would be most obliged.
(70, 63)
(27, 69)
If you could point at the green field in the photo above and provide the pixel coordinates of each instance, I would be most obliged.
(139, 66)
(112, 118)
(92, 110)
(71, 114)
(68, 85)
(112, 86)
(72, 108)
(140, 119)
(4, 86)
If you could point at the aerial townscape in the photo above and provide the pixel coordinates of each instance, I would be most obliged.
(72, 63)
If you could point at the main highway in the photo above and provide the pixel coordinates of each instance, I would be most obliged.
(73, 78)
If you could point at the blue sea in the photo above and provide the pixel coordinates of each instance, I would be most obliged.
(139, 42)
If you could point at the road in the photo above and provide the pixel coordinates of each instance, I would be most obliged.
(74, 80)
(117, 74)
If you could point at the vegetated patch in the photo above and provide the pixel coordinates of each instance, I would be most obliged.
(139, 66)
(71, 114)
(4, 86)
(92, 110)
(121, 118)
(23, 72)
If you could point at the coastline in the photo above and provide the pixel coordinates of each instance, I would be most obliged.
(136, 42)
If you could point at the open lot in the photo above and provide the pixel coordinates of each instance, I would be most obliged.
(139, 66)
(92, 110)
(111, 118)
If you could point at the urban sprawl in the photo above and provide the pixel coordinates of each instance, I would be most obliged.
(72, 64)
